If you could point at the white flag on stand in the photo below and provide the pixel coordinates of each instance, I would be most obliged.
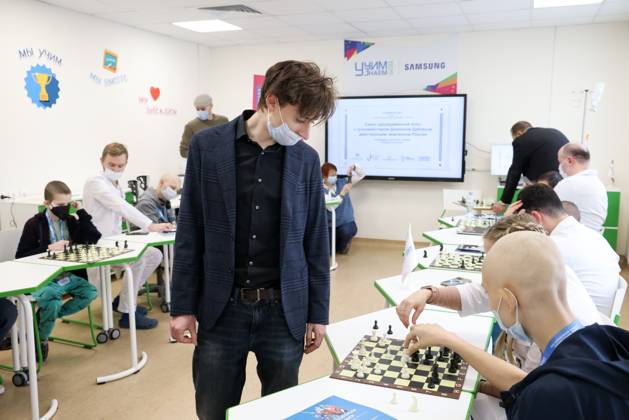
(410, 256)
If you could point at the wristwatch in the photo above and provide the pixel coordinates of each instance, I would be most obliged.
(434, 292)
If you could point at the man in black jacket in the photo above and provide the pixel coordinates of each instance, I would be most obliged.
(55, 230)
(534, 153)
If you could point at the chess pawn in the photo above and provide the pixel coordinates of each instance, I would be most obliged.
(377, 370)
(405, 374)
(413, 408)
(374, 331)
(361, 373)
(393, 398)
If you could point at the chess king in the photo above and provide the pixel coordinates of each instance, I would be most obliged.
(43, 80)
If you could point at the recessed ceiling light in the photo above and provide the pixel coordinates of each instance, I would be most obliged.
(212, 25)
(539, 4)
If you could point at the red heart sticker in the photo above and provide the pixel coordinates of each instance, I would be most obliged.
(154, 93)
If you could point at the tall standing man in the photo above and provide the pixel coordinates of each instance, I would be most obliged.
(252, 254)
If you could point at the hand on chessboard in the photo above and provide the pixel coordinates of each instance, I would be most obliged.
(427, 335)
(514, 208)
(58, 246)
(160, 227)
(414, 304)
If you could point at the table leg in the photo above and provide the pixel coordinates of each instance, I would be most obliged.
(110, 297)
(167, 273)
(333, 264)
(15, 348)
(104, 298)
(32, 363)
(136, 365)
(22, 334)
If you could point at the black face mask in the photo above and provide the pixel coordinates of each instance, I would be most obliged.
(62, 212)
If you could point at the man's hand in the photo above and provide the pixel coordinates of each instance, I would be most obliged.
(346, 189)
(183, 328)
(350, 169)
(76, 205)
(414, 303)
(427, 335)
(58, 246)
(498, 207)
(159, 227)
(314, 337)
(514, 208)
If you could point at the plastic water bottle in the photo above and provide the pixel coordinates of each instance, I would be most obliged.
(470, 202)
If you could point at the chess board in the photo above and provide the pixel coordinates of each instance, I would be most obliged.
(458, 261)
(390, 363)
(86, 254)
(475, 226)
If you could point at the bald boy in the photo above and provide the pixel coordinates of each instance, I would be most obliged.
(155, 202)
(584, 371)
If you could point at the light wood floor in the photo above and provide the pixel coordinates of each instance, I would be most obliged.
(163, 389)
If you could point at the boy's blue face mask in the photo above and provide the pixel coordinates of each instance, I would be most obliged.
(332, 180)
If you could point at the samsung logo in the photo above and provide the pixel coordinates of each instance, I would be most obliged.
(424, 66)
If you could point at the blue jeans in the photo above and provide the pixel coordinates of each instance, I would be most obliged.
(220, 357)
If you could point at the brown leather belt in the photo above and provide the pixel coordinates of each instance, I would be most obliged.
(257, 295)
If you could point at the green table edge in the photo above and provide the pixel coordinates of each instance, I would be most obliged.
(444, 223)
(433, 240)
(33, 289)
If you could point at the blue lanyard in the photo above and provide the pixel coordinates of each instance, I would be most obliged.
(564, 333)
(161, 215)
(53, 235)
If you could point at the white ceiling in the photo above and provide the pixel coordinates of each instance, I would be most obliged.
(311, 20)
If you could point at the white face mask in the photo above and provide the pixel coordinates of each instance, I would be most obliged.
(562, 172)
(282, 134)
(168, 193)
(113, 176)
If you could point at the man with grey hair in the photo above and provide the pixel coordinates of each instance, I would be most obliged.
(205, 119)
(155, 202)
(581, 185)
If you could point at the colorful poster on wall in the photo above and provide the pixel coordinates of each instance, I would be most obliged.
(258, 81)
(400, 68)
(110, 63)
(41, 81)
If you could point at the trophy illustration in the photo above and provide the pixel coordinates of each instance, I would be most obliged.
(43, 80)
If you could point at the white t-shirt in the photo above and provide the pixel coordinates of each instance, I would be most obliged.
(588, 193)
(594, 262)
(474, 299)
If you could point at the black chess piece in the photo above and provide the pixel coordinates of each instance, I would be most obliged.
(126, 245)
(441, 357)
(375, 325)
(456, 357)
(65, 249)
(425, 254)
(428, 353)
(452, 366)
(440, 247)
(48, 254)
(390, 331)
(462, 264)
(54, 255)
(431, 382)
(117, 245)
(415, 357)
(446, 351)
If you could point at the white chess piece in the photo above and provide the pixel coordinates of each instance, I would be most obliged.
(414, 408)
(393, 398)
(405, 374)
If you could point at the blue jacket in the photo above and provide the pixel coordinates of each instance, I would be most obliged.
(345, 211)
(203, 271)
(586, 377)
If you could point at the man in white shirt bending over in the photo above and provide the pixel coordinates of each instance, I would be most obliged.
(103, 198)
(585, 251)
(582, 186)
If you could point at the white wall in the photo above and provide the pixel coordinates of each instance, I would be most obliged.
(65, 141)
(509, 75)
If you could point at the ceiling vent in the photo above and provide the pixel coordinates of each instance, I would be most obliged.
(241, 8)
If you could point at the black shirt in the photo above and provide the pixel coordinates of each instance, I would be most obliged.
(258, 211)
(534, 153)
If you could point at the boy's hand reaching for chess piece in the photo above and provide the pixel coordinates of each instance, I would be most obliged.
(58, 246)
(160, 227)
(428, 335)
